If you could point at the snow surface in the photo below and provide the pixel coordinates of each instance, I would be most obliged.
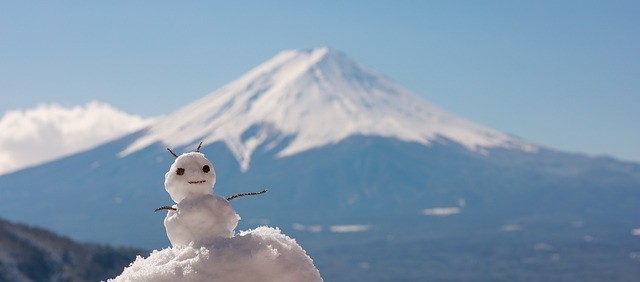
(47, 132)
(205, 248)
(262, 254)
(313, 98)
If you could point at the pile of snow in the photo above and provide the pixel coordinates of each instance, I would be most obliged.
(262, 254)
(201, 227)
(296, 94)
(47, 132)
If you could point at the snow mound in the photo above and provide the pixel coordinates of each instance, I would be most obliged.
(261, 254)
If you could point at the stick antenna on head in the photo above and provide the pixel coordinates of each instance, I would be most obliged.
(174, 154)
(199, 146)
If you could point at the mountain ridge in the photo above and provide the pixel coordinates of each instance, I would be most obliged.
(34, 254)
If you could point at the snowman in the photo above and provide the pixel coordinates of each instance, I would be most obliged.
(198, 215)
(200, 227)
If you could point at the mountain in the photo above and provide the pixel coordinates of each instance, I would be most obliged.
(353, 163)
(316, 98)
(34, 254)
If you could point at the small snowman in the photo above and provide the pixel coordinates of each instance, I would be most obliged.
(198, 215)
(205, 247)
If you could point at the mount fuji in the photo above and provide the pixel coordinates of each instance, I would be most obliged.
(349, 159)
(316, 98)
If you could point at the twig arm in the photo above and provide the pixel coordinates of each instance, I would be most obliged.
(165, 208)
(245, 194)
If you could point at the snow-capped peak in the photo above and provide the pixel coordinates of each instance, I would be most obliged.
(314, 98)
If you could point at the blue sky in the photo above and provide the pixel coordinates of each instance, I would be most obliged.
(563, 74)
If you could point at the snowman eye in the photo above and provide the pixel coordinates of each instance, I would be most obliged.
(180, 171)
(206, 169)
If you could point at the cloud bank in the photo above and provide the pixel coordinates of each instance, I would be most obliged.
(47, 132)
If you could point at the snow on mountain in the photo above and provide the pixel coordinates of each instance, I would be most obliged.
(313, 97)
(47, 132)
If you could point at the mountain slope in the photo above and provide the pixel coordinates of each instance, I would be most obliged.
(351, 182)
(33, 254)
(314, 97)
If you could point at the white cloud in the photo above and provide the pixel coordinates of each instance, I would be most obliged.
(442, 211)
(542, 247)
(511, 228)
(635, 232)
(47, 132)
(309, 228)
(333, 228)
(349, 228)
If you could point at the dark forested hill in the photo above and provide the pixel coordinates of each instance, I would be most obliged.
(34, 254)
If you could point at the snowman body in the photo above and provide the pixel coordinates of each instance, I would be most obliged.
(201, 220)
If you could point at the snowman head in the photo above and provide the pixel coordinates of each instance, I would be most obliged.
(190, 175)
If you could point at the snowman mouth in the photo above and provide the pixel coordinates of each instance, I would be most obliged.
(197, 182)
